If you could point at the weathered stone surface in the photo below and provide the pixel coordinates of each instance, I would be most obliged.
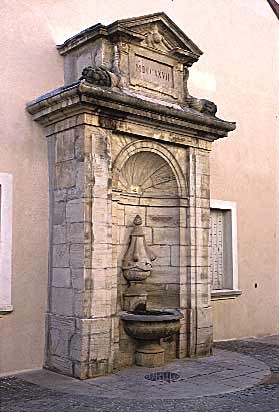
(101, 279)
(118, 215)
(59, 213)
(162, 217)
(198, 274)
(65, 148)
(78, 348)
(100, 346)
(166, 292)
(102, 256)
(93, 326)
(78, 233)
(60, 257)
(165, 236)
(163, 274)
(59, 195)
(65, 175)
(102, 233)
(197, 237)
(162, 254)
(81, 302)
(101, 303)
(61, 322)
(59, 342)
(131, 212)
(205, 319)
(75, 211)
(78, 280)
(61, 277)
(150, 360)
(175, 255)
(59, 234)
(124, 234)
(199, 217)
(62, 301)
(205, 336)
(62, 365)
(77, 255)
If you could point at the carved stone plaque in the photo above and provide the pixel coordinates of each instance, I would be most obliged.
(153, 71)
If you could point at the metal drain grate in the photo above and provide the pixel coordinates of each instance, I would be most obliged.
(162, 377)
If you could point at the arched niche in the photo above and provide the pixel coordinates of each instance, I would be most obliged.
(147, 151)
(147, 174)
(146, 183)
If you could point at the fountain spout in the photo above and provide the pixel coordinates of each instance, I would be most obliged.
(141, 307)
(137, 264)
(146, 326)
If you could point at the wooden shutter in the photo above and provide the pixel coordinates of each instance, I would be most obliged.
(216, 248)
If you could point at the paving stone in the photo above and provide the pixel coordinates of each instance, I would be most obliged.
(202, 391)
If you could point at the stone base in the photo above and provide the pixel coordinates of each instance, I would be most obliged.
(150, 355)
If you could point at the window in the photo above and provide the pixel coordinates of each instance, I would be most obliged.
(223, 249)
(5, 242)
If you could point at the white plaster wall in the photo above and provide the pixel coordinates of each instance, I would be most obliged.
(239, 71)
(6, 222)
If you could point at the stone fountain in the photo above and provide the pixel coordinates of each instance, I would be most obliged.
(125, 137)
(146, 326)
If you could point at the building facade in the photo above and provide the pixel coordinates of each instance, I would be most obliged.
(239, 71)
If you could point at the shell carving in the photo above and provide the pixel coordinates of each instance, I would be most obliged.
(147, 174)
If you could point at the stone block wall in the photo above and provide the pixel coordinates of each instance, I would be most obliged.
(90, 226)
(162, 286)
(81, 288)
(196, 300)
(160, 213)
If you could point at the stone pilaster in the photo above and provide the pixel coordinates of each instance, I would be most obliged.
(82, 291)
(199, 312)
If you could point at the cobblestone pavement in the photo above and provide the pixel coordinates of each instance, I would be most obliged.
(18, 395)
(265, 349)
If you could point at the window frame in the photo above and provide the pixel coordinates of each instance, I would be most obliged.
(231, 207)
(6, 215)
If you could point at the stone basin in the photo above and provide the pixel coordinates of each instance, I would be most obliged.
(148, 327)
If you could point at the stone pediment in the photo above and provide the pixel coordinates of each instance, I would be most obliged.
(155, 31)
(161, 33)
(146, 56)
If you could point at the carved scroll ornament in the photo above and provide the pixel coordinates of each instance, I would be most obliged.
(97, 76)
(201, 105)
(100, 76)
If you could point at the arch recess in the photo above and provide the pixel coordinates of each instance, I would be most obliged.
(144, 146)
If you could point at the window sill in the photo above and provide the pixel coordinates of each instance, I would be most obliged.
(5, 310)
(225, 294)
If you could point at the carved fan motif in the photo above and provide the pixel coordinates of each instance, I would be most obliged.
(147, 174)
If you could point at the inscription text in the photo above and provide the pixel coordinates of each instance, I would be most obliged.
(153, 72)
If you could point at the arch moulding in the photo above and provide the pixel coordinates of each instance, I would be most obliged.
(156, 148)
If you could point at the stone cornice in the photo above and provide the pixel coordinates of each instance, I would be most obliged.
(82, 97)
